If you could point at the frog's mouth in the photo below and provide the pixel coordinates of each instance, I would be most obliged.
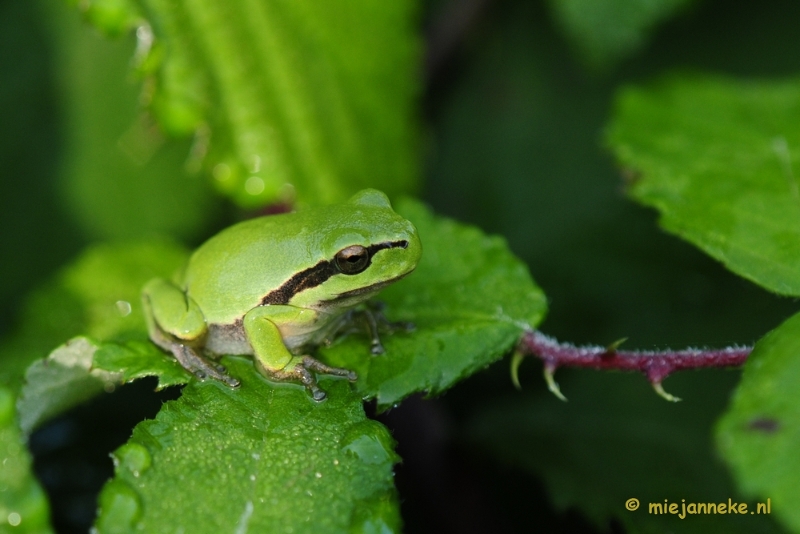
(366, 291)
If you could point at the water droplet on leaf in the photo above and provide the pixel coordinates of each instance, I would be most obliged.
(134, 457)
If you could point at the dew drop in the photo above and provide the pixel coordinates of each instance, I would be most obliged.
(120, 507)
(256, 163)
(124, 307)
(14, 519)
(221, 172)
(370, 442)
(254, 185)
(134, 457)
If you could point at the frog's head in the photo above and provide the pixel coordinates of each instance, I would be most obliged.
(365, 247)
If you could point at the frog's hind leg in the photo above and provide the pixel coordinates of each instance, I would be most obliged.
(175, 323)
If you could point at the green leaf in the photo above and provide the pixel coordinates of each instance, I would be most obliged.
(305, 96)
(758, 436)
(606, 31)
(260, 458)
(23, 504)
(717, 158)
(138, 359)
(470, 300)
(80, 369)
(120, 177)
(615, 440)
(61, 381)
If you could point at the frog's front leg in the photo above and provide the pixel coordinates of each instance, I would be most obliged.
(176, 324)
(369, 318)
(263, 324)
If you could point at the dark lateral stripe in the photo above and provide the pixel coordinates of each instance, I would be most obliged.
(316, 275)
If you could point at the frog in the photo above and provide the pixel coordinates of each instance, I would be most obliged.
(278, 286)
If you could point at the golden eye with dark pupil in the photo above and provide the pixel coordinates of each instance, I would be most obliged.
(352, 260)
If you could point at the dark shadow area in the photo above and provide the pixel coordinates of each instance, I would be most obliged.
(71, 454)
(447, 486)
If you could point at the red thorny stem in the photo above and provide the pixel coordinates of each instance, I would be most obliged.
(656, 365)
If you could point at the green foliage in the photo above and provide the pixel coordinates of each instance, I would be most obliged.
(61, 381)
(36, 232)
(120, 177)
(23, 504)
(306, 98)
(137, 359)
(322, 95)
(759, 434)
(605, 31)
(271, 457)
(80, 370)
(717, 158)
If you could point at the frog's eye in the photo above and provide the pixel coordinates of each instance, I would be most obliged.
(352, 260)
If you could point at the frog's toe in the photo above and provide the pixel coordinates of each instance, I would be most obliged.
(315, 365)
(231, 382)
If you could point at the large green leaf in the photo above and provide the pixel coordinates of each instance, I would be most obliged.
(759, 434)
(309, 97)
(718, 159)
(470, 300)
(605, 31)
(260, 458)
(120, 176)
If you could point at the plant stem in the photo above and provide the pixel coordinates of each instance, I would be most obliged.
(656, 365)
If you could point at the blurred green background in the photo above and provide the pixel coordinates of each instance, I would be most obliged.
(513, 116)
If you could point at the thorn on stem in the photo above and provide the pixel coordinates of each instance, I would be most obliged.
(516, 361)
(616, 344)
(552, 385)
(661, 393)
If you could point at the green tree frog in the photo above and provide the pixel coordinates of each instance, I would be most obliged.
(276, 286)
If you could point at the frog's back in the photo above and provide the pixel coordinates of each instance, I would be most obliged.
(230, 273)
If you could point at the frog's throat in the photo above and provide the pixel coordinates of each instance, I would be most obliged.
(318, 274)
